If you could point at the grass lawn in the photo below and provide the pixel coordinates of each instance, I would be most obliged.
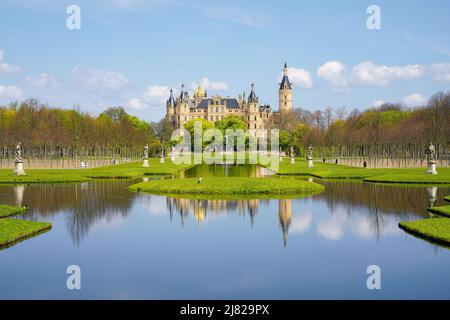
(442, 211)
(125, 170)
(447, 198)
(433, 229)
(8, 211)
(210, 187)
(13, 231)
(384, 175)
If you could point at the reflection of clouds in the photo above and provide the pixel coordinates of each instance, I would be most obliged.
(365, 224)
(330, 229)
(365, 228)
(157, 207)
(301, 223)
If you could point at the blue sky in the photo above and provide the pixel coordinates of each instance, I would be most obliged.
(130, 52)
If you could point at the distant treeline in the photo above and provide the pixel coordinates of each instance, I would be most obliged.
(68, 133)
(391, 131)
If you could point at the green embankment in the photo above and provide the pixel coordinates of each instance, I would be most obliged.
(227, 186)
(8, 211)
(433, 229)
(442, 211)
(13, 231)
(126, 170)
(382, 175)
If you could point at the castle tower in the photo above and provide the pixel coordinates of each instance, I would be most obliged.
(170, 106)
(285, 92)
(252, 109)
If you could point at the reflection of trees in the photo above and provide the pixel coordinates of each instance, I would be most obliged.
(85, 203)
(382, 199)
(379, 204)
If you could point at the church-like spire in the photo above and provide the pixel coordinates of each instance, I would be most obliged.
(285, 83)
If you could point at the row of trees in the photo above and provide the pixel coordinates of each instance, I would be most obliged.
(391, 132)
(51, 133)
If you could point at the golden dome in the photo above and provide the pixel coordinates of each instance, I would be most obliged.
(199, 92)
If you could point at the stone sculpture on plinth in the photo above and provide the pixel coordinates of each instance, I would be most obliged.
(18, 162)
(145, 165)
(430, 151)
(310, 156)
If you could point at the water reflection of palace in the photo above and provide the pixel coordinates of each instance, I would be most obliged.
(200, 209)
(364, 209)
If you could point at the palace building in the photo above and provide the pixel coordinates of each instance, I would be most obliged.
(184, 108)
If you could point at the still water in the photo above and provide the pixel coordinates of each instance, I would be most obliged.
(153, 247)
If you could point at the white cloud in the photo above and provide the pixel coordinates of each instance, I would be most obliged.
(333, 73)
(299, 77)
(301, 223)
(7, 68)
(211, 85)
(415, 99)
(253, 20)
(378, 103)
(44, 80)
(96, 80)
(10, 93)
(330, 229)
(440, 72)
(154, 96)
(369, 73)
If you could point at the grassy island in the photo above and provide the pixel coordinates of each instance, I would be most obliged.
(379, 175)
(259, 187)
(8, 211)
(13, 231)
(433, 229)
(442, 211)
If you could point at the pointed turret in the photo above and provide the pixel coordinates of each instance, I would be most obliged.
(171, 101)
(252, 97)
(285, 92)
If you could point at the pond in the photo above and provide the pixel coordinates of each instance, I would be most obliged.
(142, 246)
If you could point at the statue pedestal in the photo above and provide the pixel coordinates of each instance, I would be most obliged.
(281, 159)
(145, 165)
(162, 160)
(432, 167)
(432, 196)
(18, 169)
(310, 163)
(292, 160)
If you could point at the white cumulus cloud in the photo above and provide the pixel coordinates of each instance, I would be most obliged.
(96, 80)
(210, 85)
(415, 99)
(299, 77)
(333, 73)
(378, 103)
(7, 68)
(440, 72)
(369, 73)
(154, 96)
(10, 93)
(43, 80)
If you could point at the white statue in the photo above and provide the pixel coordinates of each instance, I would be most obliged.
(18, 162)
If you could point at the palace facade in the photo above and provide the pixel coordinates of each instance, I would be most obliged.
(184, 108)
